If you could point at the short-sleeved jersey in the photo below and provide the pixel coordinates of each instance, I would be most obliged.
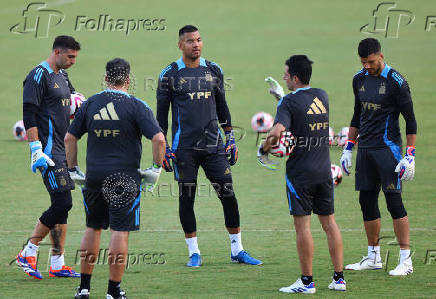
(115, 122)
(305, 113)
(377, 107)
(197, 99)
(50, 92)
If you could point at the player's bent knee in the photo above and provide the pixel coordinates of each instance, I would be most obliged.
(369, 205)
(395, 205)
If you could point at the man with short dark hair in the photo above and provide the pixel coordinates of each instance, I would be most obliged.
(309, 186)
(381, 94)
(46, 107)
(115, 122)
(194, 87)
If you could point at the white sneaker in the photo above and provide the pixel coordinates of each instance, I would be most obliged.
(340, 285)
(365, 264)
(299, 287)
(404, 268)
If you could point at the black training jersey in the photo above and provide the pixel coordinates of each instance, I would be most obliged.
(50, 92)
(305, 113)
(377, 107)
(198, 102)
(115, 122)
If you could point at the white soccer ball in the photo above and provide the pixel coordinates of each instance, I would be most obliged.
(343, 136)
(336, 174)
(285, 145)
(262, 122)
(76, 101)
(19, 131)
(331, 136)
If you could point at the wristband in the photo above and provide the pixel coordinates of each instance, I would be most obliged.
(350, 145)
(410, 151)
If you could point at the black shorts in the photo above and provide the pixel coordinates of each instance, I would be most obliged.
(305, 198)
(215, 165)
(100, 215)
(56, 178)
(375, 168)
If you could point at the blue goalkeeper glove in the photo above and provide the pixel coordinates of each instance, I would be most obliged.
(231, 148)
(169, 155)
(39, 160)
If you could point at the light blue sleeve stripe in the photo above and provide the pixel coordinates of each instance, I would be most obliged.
(49, 145)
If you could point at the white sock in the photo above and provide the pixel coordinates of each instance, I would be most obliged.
(30, 249)
(192, 245)
(374, 253)
(57, 261)
(404, 254)
(235, 243)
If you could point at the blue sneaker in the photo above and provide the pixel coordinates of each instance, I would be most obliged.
(194, 261)
(244, 257)
(28, 264)
(64, 272)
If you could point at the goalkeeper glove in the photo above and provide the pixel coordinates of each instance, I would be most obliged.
(406, 166)
(150, 176)
(77, 175)
(169, 155)
(346, 157)
(39, 160)
(263, 159)
(231, 148)
(275, 88)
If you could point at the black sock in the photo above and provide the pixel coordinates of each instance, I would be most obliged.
(113, 288)
(85, 281)
(306, 279)
(338, 275)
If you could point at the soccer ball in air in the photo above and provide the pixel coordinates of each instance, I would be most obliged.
(76, 101)
(262, 122)
(19, 131)
(285, 145)
(336, 174)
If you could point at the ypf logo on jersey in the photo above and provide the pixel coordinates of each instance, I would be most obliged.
(38, 20)
(388, 20)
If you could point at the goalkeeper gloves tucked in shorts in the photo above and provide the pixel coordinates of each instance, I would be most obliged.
(39, 160)
(406, 166)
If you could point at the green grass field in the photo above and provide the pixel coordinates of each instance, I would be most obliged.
(250, 40)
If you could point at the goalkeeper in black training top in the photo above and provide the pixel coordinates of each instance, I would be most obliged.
(195, 89)
(381, 94)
